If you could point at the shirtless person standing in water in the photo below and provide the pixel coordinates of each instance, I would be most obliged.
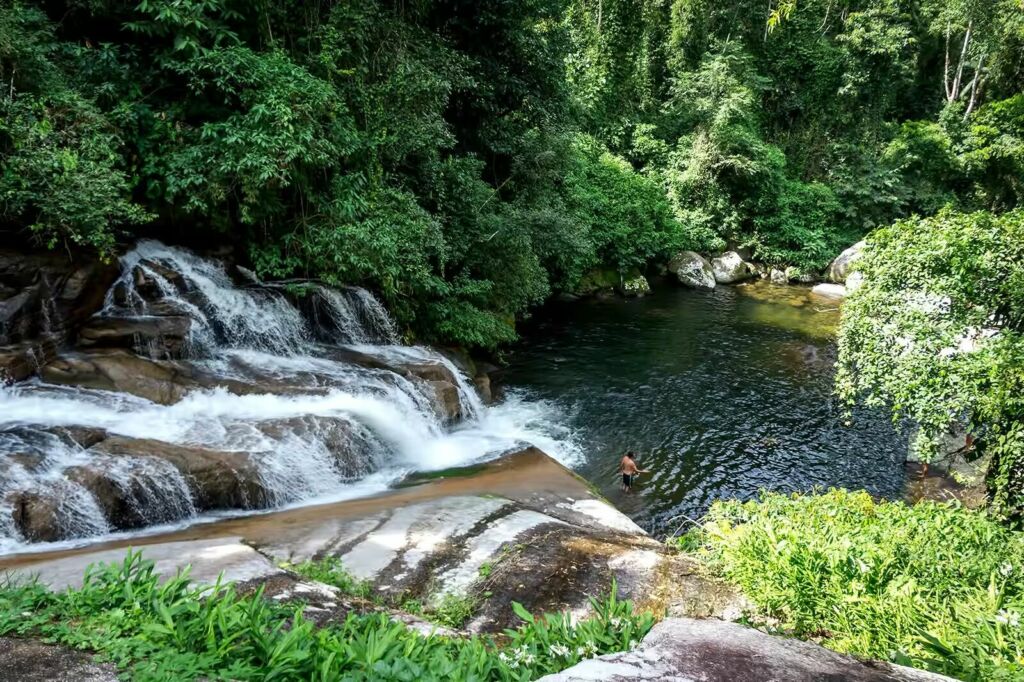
(629, 470)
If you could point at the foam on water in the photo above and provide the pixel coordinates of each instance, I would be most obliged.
(325, 429)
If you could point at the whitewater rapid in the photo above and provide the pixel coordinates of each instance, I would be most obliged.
(256, 333)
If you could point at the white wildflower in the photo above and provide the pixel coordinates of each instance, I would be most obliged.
(633, 644)
(559, 650)
(615, 621)
(529, 659)
(1006, 569)
(1008, 618)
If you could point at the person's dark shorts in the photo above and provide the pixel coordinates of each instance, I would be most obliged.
(627, 480)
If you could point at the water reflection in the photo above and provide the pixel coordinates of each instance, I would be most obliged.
(722, 393)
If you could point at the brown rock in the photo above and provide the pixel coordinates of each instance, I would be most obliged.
(161, 381)
(447, 401)
(36, 515)
(163, 336)
(25, 359)
(219, 480)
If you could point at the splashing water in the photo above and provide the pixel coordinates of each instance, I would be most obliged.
(311, 424)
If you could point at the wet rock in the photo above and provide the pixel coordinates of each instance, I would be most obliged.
(447, 403)
(27, 660)
(23, 360)
(730, 268)
(149, 287)
(217, 479)
(854, 281)
(692, 270)
(161, 337)
(778, 276)
(46, 294)
(160, 381)
(36, 515)
(132, 499)
(715, 651)
(839, 269)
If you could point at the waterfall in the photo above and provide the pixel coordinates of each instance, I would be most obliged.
(307, 396)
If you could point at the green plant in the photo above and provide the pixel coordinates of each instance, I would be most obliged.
(452, 611)
(931, 585)
(160, 630)
(330, 570)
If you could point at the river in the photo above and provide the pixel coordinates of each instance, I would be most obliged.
(722, 393)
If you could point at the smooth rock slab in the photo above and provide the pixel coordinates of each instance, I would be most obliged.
(208, 558)
(413, 532)
(486, 545)
(687, 650)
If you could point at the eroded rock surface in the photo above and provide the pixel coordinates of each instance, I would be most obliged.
(27, 660)
(687, 650)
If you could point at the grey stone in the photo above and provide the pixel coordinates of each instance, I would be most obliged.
(730, 268)
(692, 270)
(839, 269)
(687, 650)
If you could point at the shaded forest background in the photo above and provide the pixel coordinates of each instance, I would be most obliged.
(467, 159)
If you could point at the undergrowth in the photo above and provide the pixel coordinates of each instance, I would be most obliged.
(174, 631)
(932, 585)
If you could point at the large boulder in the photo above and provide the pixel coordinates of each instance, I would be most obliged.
(840, 268)
(601, 281)
(692, 270)
(729, 268)
(688, 650)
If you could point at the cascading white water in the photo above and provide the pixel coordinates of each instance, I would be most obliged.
(309, 424)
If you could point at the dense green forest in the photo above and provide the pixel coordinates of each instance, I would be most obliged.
(468, 159)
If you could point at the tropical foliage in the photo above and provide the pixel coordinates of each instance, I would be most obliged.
(930, 585)
(937, 334)
(466, 160)
(160, 630)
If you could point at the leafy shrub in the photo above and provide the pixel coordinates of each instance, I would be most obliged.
(157, 630)
(947, 292)
(931, 585)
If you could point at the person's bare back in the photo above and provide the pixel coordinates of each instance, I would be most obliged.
(629, 470)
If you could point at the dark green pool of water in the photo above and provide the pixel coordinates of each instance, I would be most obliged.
(722, 393)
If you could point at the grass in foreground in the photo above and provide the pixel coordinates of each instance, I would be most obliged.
(930, 585)
(172, 631)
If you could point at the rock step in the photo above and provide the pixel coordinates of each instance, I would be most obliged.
(688, 650)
